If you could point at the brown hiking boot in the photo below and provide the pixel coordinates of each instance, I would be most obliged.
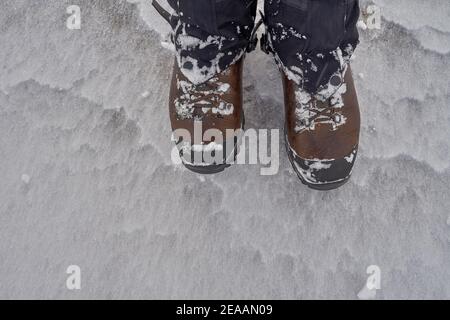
(201, 115)
(206, 90)
(322, 132)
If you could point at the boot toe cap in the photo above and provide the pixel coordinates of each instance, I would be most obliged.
(324, 174)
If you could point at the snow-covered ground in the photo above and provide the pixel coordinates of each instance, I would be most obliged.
(86, 176)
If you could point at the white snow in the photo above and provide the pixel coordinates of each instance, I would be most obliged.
(350, 158)
(104, 194)
(207, 147)
(25, 178)
(361, 24)
(367, 294)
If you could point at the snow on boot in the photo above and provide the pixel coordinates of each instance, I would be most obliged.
(211, 40)
(322, 131)
(312, 43)
(206, 119)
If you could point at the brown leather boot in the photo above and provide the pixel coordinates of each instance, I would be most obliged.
(322, 132)
(206, 119)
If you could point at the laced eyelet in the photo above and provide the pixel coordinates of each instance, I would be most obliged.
(336, 80)
(337, 118)
(305, 123)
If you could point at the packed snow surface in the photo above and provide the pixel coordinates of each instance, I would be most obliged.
(87, 178)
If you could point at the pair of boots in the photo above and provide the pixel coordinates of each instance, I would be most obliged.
(312, 42)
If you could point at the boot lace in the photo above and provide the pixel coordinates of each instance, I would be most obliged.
(195, 101)
(315, 110)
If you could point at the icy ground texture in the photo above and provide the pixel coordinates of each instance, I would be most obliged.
(86, 176)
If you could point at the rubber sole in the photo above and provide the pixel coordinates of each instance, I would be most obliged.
(212, 169)
(319, 187)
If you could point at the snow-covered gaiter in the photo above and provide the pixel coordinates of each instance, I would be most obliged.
(211, 35)
(312, 40)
